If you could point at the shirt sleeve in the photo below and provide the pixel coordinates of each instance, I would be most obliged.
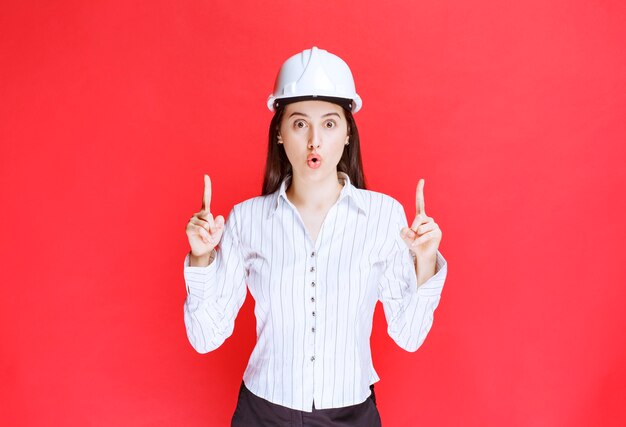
(215, 293)
(408, 309)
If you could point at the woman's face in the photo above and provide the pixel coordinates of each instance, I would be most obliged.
(314, 134)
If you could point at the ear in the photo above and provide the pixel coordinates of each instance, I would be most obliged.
(280, 138)
(347, 139)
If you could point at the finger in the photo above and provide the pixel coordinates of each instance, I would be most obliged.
(203, 233)
(205, 216)
(430, 235)
(425, 228)
(206, 198)
(200, 223)
(194, 228)
(419, 220)
(217, 225)
(419, 198)
(423, 239)
(408, 236)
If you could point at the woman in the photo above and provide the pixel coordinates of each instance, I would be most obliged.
(317, 251)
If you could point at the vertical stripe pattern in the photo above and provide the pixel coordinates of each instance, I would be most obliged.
(314, 301)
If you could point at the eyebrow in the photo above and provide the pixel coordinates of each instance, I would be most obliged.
(296, 113)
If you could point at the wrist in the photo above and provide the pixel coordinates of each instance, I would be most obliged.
(201, 260)
(425, 267)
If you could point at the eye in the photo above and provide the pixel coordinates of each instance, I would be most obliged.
(299, 124)
(329, 124)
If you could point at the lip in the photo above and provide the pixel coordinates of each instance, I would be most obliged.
(314, 160)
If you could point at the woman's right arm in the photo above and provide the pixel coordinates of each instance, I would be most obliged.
(214, 278)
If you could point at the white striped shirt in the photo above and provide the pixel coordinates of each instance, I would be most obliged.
(314, 301)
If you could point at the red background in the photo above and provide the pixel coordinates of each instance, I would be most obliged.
(513, 112)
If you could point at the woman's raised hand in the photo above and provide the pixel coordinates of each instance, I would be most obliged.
(424, 236)
(203, 231)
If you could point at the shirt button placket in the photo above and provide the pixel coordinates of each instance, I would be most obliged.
(312, 298)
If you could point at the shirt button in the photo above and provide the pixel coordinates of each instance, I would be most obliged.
(313, 330)
(312, 269)
(313, 314)
(313, 284)
(312, 358)
(312, 254)
(312, 299)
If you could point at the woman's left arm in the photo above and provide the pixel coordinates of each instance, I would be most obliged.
(410, 289)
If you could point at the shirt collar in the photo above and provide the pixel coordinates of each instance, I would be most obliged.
(348, 190)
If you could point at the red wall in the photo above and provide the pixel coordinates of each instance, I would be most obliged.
(513, 112)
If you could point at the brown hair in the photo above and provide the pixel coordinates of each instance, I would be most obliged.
(277, 166)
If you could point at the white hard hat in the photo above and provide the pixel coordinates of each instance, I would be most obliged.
(315, 73)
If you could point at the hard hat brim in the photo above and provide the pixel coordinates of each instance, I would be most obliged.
(343, 102)
(352, 105)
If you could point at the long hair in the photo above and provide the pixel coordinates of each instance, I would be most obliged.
(277, 166)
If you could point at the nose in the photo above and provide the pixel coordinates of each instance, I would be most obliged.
(314, 139)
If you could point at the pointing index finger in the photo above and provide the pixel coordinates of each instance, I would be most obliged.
(206, 198)
(419, 198)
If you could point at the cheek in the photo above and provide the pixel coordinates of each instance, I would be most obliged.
(292, 151)
(293, 143)
(339, 143)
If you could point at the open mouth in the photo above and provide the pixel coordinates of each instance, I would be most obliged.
(314, 161)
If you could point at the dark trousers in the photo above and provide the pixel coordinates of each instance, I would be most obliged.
(253, 411)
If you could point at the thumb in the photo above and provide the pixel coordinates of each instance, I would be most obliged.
(408, 234)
